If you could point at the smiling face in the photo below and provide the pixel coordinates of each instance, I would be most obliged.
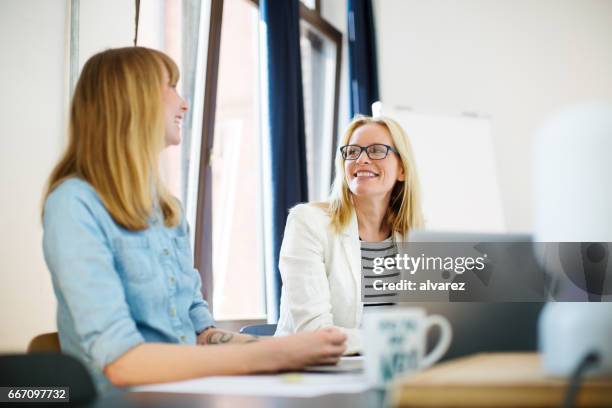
(371, 178)
(174, 111)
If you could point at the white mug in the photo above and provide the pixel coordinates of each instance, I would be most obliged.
(394, 342)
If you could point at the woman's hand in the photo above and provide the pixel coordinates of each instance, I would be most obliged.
(294, 352)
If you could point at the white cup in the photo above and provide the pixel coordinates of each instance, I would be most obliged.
(394, 342)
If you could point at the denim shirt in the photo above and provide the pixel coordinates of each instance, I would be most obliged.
(117, 288)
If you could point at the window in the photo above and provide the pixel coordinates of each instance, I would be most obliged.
(320, 46)
(237, 252)
(232, 189)
(180, 29)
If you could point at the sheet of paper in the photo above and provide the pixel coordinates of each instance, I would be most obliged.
(280, 385)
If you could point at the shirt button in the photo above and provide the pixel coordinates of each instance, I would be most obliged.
(166, 251)
(171, 280)
(183, 339)
(173, 312)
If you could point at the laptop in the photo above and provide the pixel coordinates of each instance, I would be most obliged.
(478, 326)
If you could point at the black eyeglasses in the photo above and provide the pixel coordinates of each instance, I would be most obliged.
(374, 151)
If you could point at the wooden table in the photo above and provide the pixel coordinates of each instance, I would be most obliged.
(494, 380)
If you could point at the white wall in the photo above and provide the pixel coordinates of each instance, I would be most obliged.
(32, 112)
(106, 24)
(32, 109)
(517, 61)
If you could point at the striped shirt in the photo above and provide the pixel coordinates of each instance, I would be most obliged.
(370, 251)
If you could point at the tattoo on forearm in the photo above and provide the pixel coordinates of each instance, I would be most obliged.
(215, 336)
(218, 337)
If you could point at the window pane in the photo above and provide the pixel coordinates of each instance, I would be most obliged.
(180, 29)
(311, 4)
(318, 76)
(236, 170)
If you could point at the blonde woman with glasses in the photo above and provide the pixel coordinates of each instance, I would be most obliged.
(375, 199)
(129, 304)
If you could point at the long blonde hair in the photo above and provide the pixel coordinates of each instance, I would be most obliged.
(116, 132)
(404, 212)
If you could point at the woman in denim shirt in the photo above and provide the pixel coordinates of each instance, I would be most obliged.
(117, 245)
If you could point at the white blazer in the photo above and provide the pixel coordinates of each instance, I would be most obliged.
(321, 273)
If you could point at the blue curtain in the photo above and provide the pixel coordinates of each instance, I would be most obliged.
(363, 72)
(286, 121)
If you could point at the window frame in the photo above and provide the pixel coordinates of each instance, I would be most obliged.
(203, 227)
